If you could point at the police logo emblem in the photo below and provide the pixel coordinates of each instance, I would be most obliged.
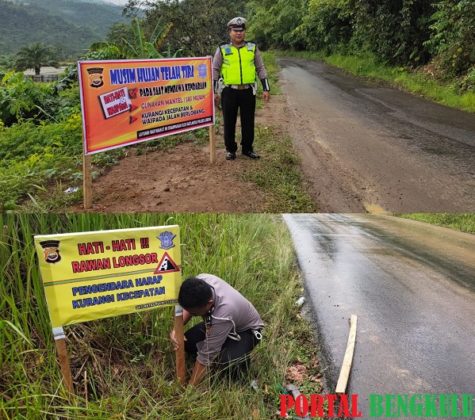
(95, 77)
(51, 251)
(166, 240)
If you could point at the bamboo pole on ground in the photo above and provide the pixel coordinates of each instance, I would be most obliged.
(348, 358)
(87, 181)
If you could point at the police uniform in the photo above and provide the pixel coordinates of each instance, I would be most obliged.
(236, 68)
(230, 330)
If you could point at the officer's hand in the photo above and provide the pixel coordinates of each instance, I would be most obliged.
(216, 99)
(266, 95)
(174, 340)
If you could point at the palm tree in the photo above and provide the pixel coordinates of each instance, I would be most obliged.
(35, 56)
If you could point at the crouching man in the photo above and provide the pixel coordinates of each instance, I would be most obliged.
(231, 326)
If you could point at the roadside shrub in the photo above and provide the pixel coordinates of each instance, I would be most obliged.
(32, 156)
(467, 84)
(453, 36)
(21, 98)
(395, 31)
(273, 22)
(327, 24)
(20, 141)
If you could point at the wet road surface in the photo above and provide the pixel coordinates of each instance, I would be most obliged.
(364, 146)
(412, 286)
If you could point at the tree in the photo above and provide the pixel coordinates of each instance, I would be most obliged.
(21, 98)
(131, 41)
(395, 31)
(327, 25)
(195, 27)
(141, 46)
(35, 56)
(453, 36)
(274, 23)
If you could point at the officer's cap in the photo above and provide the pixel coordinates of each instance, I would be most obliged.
(237, 23)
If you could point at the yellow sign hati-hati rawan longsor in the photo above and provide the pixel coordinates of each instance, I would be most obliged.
(92, 275)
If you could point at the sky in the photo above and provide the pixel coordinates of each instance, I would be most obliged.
(119, 2)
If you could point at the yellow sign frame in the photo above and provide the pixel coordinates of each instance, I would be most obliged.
(94, 275)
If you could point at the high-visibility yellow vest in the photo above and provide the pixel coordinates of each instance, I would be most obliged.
(238, 66)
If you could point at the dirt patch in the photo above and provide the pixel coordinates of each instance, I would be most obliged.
(181, 179)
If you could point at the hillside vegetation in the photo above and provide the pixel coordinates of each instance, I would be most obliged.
(71, 26)
(435, 37)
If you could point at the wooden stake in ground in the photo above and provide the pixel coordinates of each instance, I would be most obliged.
(212, 144)
(63, 357)
(348, 359)
(87, 181)
(180, 338)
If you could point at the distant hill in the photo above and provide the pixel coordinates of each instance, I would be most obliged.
(70, 25)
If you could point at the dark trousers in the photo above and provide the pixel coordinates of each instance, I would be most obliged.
(234, 358)
(245, 101)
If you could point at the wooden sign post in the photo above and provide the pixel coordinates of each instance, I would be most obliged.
(87, 181)
(212, 144)
(180, 353)
(63, 358)
(147, 259)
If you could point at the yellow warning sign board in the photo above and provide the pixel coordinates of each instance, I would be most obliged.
(92, 275)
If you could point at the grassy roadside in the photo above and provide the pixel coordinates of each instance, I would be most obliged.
(39, 162)
(279, 174)
(465, 222)
(128, 359)
(415, 82)
(270, 61)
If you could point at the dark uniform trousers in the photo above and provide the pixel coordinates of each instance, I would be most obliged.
(234, 357)
(245, 101)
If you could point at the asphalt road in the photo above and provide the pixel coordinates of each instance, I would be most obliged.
(412, 286)
(366, 147)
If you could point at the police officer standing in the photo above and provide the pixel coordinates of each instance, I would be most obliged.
(236, 65)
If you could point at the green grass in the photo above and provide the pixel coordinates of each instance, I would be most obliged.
(415, 82)
(39, 162)
(124, 366)
(278, 173)
(465, 222)
(270, 61)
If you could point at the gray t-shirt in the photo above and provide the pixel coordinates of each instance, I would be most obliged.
(232, 313)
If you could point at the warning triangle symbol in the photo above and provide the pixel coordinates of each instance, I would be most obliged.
(166, 265)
